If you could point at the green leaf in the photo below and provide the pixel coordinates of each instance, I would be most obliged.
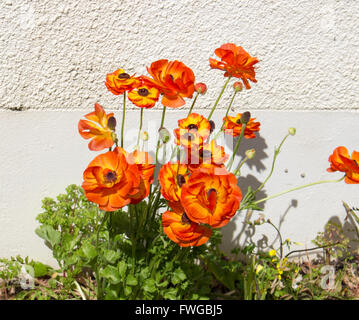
(171, 294)
(49, 234)
(40, 269)
(178, 276)
(122, 268)
(131, 280)
(111, 256)
(111, 273)
(150, 286)
(89, 251)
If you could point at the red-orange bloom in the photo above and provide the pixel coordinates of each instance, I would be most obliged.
(119, 81)
(341, 161)
(110, 181)
(184, 232)
(192, 131)
(146, 169)
(233, 126)
(236, 62)
(172, 177)
(211, 196)
(208, 155)
(144, 96)
(174, 80)
(96, 127)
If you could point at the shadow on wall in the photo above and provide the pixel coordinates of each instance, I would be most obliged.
(339, 238)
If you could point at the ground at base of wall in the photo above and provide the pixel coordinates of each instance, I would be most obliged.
(262, 278)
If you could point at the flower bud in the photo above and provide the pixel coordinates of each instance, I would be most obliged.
(238, 86)
(250, 153)
(200, 88)
(292, 131)
(164, 135)
(111, 123)
(246, 116)
(144, 135)
(213, 126)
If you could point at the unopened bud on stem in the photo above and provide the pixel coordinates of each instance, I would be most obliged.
(111, 123)
(292, 131)
(164, 135)
(201, 88)
(250, 153)
(246, 116)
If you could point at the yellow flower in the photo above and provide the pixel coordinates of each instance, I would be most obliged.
(259, 268)
(272, 253)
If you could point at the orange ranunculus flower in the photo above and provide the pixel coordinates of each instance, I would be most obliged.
(236, 62)
(174, 80)
(233, 126)
(341, 161)
(119, 81)
(209, 154)
(110, 180)
(146, 168)
(211, 196)
(194, 123)
(172, 177)
(184, 232)
(96, 127)
(144, 96)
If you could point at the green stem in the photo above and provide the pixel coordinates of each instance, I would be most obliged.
(236, 147)
(280, 238)
(219, 97)
(237, 172)
(297, 188)
(97, 271)
(276, 152)
(140, 129)
(159, 138)
(193, 103)
(229, 107)
(123, 118)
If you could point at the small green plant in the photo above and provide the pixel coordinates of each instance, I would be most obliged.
(89, 243)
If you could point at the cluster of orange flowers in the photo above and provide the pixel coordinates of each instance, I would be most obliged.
(201, 193)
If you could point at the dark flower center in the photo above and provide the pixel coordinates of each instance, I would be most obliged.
(238, 121)
(356, 163)
(181, 180)
(192, 126)
(185, 219)
(188, 136)
(124, 75)
(143, 92)
(111, 176)
(210, 191)
(206, 154)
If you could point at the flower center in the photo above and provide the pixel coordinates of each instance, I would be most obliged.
(143, 92)
(123, 75)
(210, 191)
(181, 180)
(192, 126)
(188, 136)
(206, 154)
(185, 219)
(111, 176)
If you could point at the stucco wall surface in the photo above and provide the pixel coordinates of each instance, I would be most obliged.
(55, 54)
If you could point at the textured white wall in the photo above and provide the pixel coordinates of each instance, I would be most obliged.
(55, 54)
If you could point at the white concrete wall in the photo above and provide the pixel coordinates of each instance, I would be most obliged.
(55, 55)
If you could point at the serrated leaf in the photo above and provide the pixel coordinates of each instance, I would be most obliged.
(131, 280)
(89, 251)
(111, 256)
(111, 273)
(150, 286)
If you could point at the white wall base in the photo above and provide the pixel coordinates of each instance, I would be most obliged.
(42, 153)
